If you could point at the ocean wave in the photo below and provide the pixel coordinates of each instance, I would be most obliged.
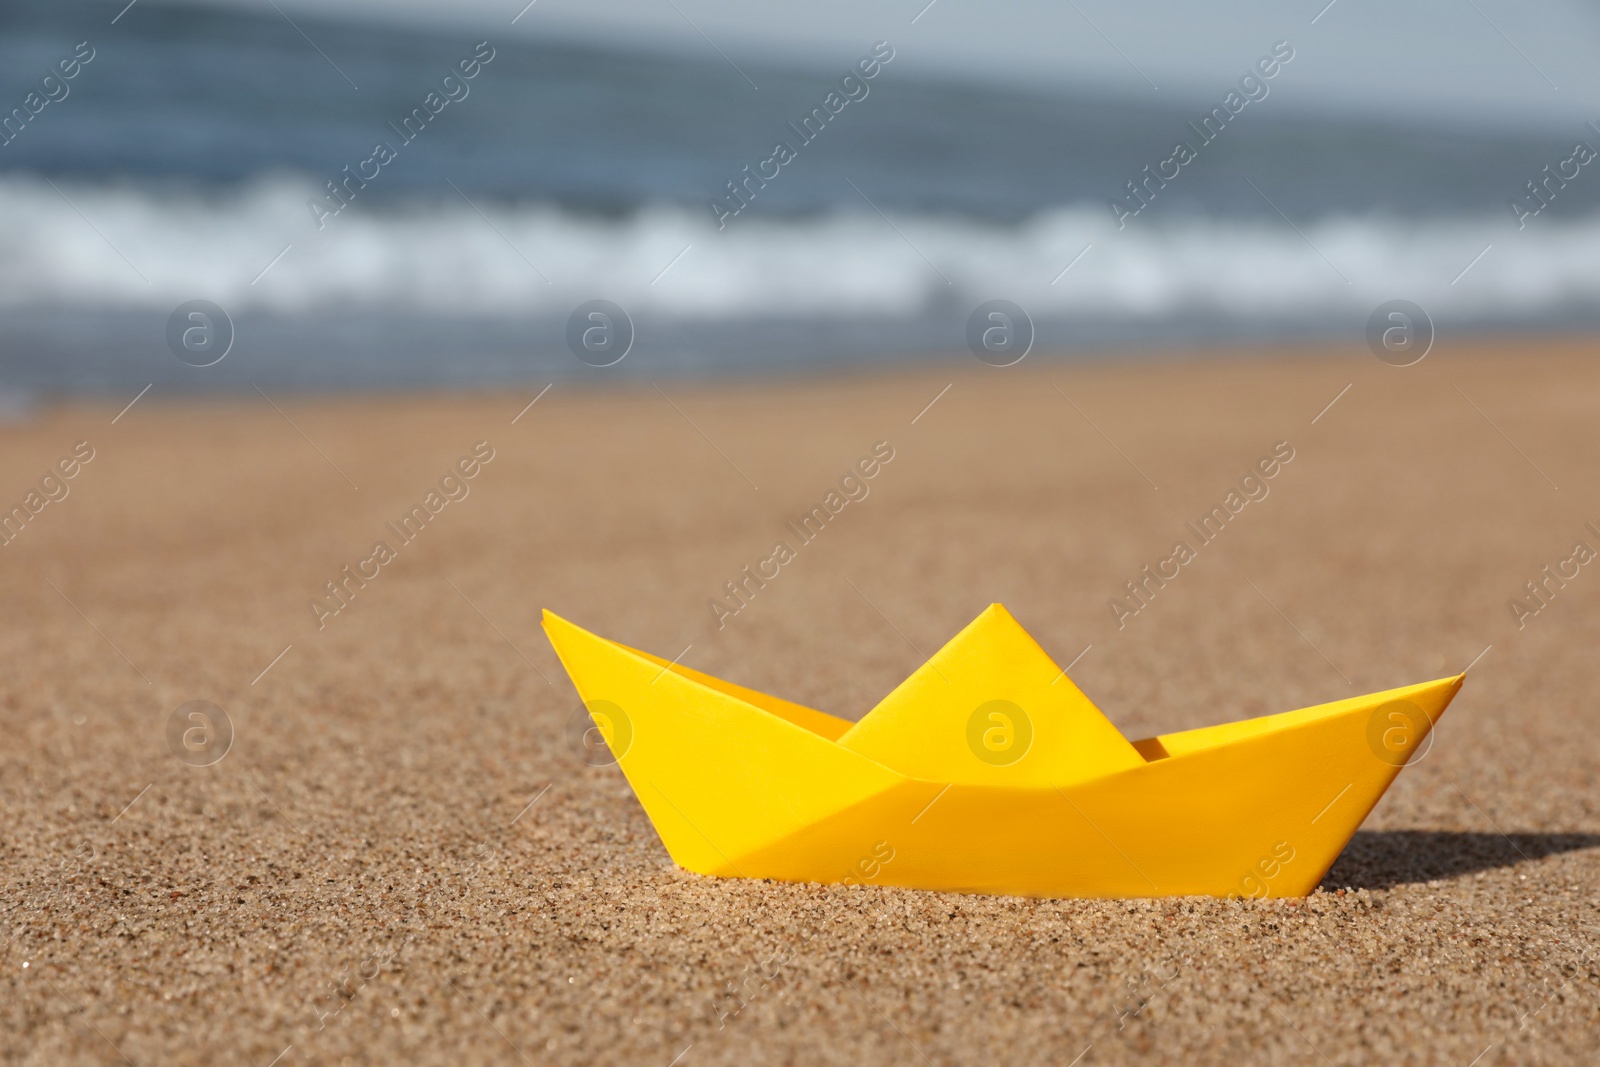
(256, 247)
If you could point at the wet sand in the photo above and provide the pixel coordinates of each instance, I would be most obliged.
(402, 859)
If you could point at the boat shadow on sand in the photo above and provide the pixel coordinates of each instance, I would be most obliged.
(1383, 859)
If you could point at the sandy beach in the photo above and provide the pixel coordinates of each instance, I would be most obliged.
(401, 858)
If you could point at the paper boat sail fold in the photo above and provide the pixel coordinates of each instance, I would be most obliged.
(988, 771)
(1050, 734)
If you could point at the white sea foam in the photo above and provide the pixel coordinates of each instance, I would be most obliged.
(122, 245)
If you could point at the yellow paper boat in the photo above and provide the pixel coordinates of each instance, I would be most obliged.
(988, 771)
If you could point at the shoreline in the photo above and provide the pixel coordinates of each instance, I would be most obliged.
(518, 363)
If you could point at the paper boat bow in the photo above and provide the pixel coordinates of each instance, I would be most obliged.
(989, 771)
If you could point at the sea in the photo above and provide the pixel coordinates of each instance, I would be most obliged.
(181, 166)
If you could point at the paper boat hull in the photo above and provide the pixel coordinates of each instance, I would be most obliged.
(1254, 809)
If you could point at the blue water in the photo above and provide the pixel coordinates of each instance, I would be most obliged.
(182, 157)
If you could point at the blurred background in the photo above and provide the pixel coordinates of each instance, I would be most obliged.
(179, 162)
